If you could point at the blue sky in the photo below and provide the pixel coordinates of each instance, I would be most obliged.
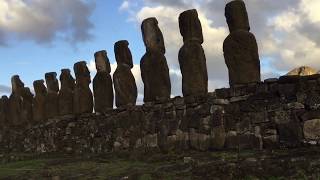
(31, 60)
(39, 36)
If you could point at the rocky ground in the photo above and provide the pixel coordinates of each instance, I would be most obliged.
(303, 163)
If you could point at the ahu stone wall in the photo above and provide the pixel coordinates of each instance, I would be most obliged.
(276, 113)
(251, 114)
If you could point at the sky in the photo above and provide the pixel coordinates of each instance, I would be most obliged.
(39, 36)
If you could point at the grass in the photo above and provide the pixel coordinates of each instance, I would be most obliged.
(151, 166)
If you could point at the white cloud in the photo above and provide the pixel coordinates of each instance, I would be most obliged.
(124, 6)
(287, 33)
(45, 20)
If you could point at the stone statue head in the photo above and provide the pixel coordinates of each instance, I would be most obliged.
(27, 94)
(17, 85)
(52, 81)
(190, 26)
(123, 53)
(66, 79)
(237, 16)
(39, 87)
(102, 61)
(152, 36)
(82, 72)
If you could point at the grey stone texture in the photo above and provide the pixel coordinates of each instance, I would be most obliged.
(4, 112)
(52, 99)
(102, 83)
(124, 83)
(153, 65)
(83, 98)
(27, 106)
(192, 59)
(265, 118)
(66, 93)
(39, 101)
(15, 102)
(240, 47)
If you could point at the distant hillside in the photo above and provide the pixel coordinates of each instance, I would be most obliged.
(303, 71)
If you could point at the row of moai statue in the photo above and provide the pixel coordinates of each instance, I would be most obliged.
(75, 96)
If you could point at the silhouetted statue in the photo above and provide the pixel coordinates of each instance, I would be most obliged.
(153, 65)
(192, 59)
(240, 47)
(66, 92)
(102, 83)
(124, 83)
(4, 111)
(16, 102)
(83, 99)
(52, 101)
(39, 101)
(27, 106)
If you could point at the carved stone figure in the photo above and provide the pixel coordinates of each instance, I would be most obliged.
(240, 47)
(102, 83)
(4, 111)
(15, 101)
(52, 100)
(124, 83)
(27, 106)
(153, 65)
(192, 59)
(83, 99)
(39, 101)
(66, 92)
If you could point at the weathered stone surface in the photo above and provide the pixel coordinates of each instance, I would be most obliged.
(83, 99)
(102, 84)
(102, 61)
(153, 65)
(4, 111)
(27, 106)
(15, 101)
(190, 26)
(52, 99)
(52, 82)
(311, 129)
(66, 93)
(242, 58)
(237, 16)
(240, 47)
(39, 101)
(152, 36)
(192, 59)
(290, 134)
(124, 83)
(218, 137)
(17, 85)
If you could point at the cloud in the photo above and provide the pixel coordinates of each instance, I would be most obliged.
(43, 21)
(213, 36)
(5, 89)
(124, 6)
(287, 33)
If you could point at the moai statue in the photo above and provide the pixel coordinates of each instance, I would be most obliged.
(153, 65)
(4, 111)
(102, 83)
(124, 83)
(27, 106)
(192, 59)
(66, 93)
(15, 101)
(39, 101)
(240, 47)
(83, 99)
(52, 100)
